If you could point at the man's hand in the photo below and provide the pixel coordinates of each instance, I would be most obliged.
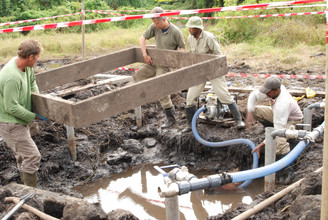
(249, 119)
(38, 116)
(147, 59)
(258, 148)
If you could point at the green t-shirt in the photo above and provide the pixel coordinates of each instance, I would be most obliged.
(15, 93)
(172, 39)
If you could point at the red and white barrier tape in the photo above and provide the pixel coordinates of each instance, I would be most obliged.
(299, 6)
(37, 19)
(104, 12)
(254, 16)
(327, 25)
(131, 17)
(282, 76)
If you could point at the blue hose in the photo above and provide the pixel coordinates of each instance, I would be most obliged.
(225, 143)
(274, 167)
(271, 168)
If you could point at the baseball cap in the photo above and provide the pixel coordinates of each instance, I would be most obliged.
(270, 83)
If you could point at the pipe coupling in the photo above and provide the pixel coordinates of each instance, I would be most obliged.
(179, 174)
(312, 136)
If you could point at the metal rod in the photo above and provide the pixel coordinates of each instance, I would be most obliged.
(71, 141)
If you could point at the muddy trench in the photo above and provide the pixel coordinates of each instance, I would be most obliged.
(115, 145)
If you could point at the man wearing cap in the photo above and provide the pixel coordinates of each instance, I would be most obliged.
(283, 112)
(200, 41)
(167, 36)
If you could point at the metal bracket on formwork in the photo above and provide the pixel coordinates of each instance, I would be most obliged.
(270, 157)
(138, 115)
(71, 141)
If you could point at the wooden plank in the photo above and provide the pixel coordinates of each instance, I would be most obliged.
(292, 92)
(133, 95)
(249, 90)
(111, 81)
(173, 58)
(53, 108)
(81, 70)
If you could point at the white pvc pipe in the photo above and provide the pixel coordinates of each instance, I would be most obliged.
(172, 208)
(270, 157)
(307, 119)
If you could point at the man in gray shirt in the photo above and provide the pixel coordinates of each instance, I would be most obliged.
(167, 36)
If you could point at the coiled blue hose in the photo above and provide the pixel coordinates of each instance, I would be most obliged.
(225, 143)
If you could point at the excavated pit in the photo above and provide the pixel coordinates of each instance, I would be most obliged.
(114, 145)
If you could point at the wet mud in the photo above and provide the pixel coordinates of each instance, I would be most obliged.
(115, 144)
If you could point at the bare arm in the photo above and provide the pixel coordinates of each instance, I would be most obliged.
(258, 148)
(144, 51)
(249, 119)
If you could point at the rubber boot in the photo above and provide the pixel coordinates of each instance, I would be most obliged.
(190, 114)
(31, 179)
(170, 118)
(236, 115)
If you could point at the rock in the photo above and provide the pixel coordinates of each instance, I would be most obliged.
(149, 142)
(118, 158)
(120, 214)
(9, 174)
(53, 167)
(83, 210)
(306, 207)
(133, 146)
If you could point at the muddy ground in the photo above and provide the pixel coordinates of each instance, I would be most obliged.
(115, 144)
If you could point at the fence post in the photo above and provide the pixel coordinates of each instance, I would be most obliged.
(83, 30)
(324, 195)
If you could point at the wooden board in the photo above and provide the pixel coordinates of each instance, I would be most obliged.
(198, 69)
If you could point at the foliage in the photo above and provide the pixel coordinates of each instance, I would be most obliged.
(277, 31)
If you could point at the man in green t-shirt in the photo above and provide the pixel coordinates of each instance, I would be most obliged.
(17, 81)
(167, 36)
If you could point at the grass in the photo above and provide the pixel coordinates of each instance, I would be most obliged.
(260, 55)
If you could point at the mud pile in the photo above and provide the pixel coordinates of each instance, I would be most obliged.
(115, 144)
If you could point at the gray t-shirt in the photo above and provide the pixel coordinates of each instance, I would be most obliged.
(172, 39)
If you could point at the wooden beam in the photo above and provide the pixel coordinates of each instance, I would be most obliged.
(133, 95)
(111, 81)
(172, 58)
(81, 70)
(54, 108)
(196, 69)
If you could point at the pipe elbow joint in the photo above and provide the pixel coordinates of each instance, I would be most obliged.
(169, 190)
(279, 133)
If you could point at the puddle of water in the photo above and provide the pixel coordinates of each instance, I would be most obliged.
(136, 191)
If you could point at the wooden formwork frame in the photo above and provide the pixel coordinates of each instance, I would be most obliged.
(190, 69)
